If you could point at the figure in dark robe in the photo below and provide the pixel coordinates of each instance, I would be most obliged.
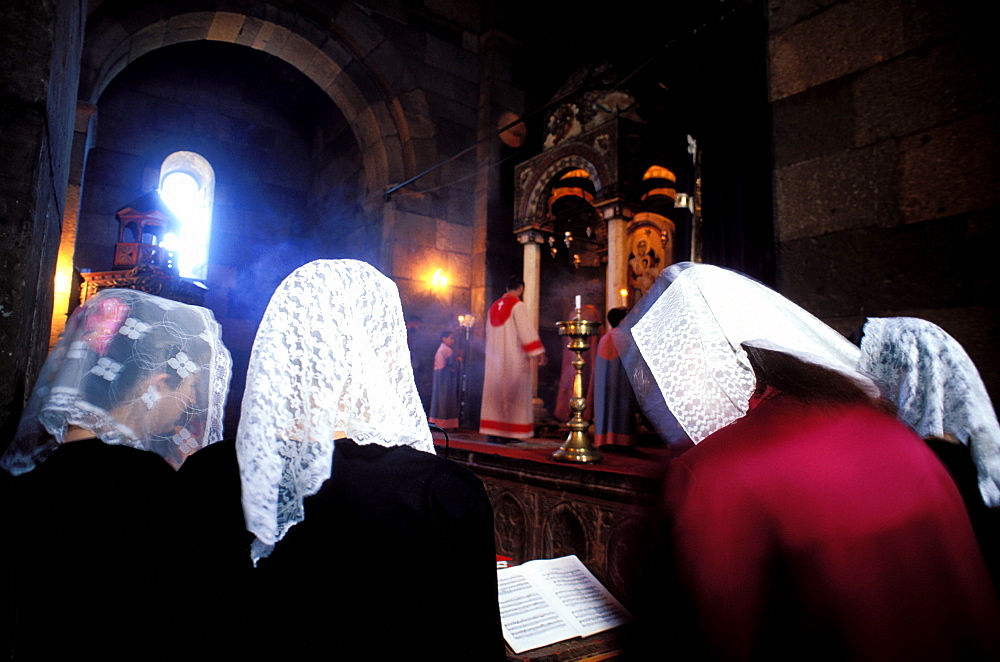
(369, 546)
(614, 403)
(102, 542)
(447, 373)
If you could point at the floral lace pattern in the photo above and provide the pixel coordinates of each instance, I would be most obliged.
(111, 373)
(330, 356)
(935, 386)
(690, 338)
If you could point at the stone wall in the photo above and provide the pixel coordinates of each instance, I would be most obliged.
(37, 107)
(396, 88)
(286, 189)
(886, 180)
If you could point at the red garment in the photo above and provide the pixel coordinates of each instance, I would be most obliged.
(811, 532)
(502, 308)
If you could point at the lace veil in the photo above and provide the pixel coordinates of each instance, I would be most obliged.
(688, 331)
(937, 389)
(134, 369)
(330, 356)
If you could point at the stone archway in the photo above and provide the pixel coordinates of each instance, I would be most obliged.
(345, 55)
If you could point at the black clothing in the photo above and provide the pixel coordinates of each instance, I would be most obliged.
(113, 555)
(395, 560)
(94, 556)
(957, 459)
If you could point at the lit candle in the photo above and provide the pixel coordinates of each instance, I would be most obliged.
(624, 294)
(577, 301)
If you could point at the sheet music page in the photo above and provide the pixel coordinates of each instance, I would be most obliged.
(545, 601)
(527, 617)
(591, 607)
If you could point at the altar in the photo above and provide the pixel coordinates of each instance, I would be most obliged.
(547, 509)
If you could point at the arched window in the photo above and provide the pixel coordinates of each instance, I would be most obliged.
(187, 186)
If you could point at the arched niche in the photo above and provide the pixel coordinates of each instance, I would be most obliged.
(512, 524)
(535, 186)
(564, 532)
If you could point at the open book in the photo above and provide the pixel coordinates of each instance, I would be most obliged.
(542, 602)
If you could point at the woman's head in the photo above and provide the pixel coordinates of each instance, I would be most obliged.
(803, 380)
(133, 369)
(330, 357)
(151, 349)
(936, 388)
(690, 339)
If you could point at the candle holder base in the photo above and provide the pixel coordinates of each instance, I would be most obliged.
(577, 448)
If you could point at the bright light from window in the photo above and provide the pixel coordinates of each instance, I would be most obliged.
(171, 242)
(188, 202)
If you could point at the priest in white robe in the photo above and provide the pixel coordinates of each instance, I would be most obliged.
(511, 341)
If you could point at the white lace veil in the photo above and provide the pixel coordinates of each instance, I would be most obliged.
(330, 356)
(690, 337)
(937, 389)
(134, 369)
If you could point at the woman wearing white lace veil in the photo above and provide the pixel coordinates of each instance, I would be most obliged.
(100, 523)
(936, 389)
(337, 463)
(938, 392)
(712, 310)
(806, 522)
(329, 360)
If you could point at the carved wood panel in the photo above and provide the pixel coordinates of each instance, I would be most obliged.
(536, 522)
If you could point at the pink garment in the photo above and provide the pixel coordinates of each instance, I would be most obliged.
(826, 532)
(441, 356)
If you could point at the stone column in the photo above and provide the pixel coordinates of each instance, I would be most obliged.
(617, 215)
(532, 241)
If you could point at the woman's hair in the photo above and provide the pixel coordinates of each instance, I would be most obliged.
(615, 316)
(806, 382)
(149, 353)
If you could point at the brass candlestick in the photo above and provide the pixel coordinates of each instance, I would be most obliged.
(578, 447)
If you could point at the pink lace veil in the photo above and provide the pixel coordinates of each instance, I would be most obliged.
(330, 356)
(134, 369)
